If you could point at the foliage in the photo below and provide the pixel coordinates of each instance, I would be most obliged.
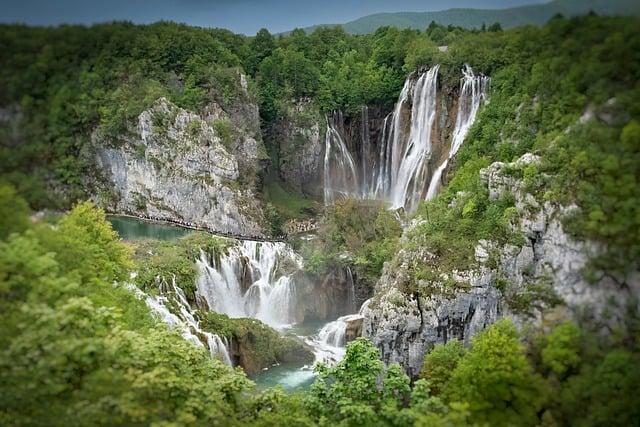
(364, 229)
(358, 390)
(562, 352)
(162, 259)
(286, 203)
(440, 363)
(14, 212)
(78, 349)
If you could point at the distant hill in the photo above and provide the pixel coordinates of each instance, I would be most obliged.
(474, 18)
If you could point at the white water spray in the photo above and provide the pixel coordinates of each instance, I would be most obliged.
(185, 322)
(340, 174)
(254, 279)
(410, 157)
(473, 92)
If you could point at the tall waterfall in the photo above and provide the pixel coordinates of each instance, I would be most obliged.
(184, 320)
(254, 279)
(399, 173)
(340, 174)
(410, 156)
(473, 91)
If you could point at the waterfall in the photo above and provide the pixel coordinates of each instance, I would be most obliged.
(185, 322)
(398, 168)
(381, 178)
(473, 92)
(268, 294)
(333, 333)
(218, 347)
(340, 173)
(411, 158)
(329, 344)
(401, 163)
(365, 151)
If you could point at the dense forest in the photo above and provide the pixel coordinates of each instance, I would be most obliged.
(79, 348)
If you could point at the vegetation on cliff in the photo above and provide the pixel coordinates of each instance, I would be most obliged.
(569, 93)
(361, 234)
(157, 260)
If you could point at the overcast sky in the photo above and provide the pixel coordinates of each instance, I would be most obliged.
(243, 16)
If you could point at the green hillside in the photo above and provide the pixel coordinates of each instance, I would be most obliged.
(508, 18)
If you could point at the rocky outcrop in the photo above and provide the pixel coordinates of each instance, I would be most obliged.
(524, 282)
(255, 347)
(177, 168)
(326, 296)
(299, 135)
(354, 327)
(239, 121)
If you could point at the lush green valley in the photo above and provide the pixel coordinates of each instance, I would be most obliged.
(558, 138)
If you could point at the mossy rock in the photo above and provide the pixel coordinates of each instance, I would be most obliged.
(255, 345)
(165, 259)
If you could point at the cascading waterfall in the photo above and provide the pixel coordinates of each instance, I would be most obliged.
(185, 322)
(399, 168)
(364, 152)
(340, 174)
(330, 342)
(410, 158)
(400, 172)
(249, 282)
(473, 92)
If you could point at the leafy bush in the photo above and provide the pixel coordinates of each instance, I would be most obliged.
(364, 229)
(162, 259)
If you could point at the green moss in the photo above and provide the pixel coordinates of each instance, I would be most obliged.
(194, 128)
(224, 130)
(165, 259)
(288, 204)
(261, 345)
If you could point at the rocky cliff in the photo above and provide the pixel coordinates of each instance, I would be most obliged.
(179, 166)
(543, 276)
(299, 138)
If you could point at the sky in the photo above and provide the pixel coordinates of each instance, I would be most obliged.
(241, 16)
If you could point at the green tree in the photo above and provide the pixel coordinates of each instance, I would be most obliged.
(359, 390)
(496, 380)
(14, 212)
(562, 351)
(260, 47)
(440, 363)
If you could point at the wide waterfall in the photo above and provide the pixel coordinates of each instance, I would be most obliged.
(474, 91)
(184, 320)
(399, 167)
(253, 279)
(399, 171)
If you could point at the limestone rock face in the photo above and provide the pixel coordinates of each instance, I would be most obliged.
(325, 296)
(300, 136)
(545, 270)
(354, 328)
(176, 168)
